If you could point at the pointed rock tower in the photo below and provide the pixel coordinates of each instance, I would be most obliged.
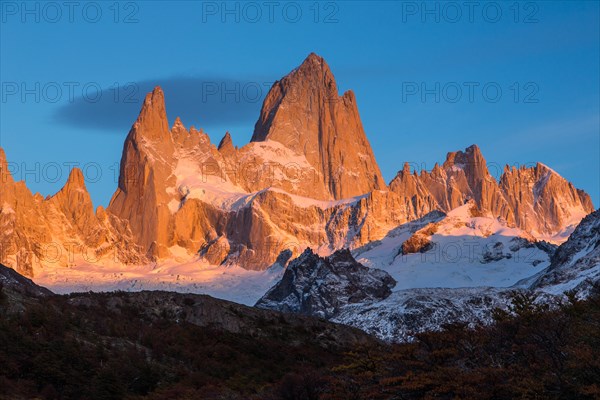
(463, 176)
(226, 145)
(146, 171)
(75, 202)
(304, 112)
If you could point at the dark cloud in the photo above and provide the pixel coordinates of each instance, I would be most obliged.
(201, 101)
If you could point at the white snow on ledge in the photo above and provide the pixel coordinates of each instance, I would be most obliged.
(467, 252)
(229, 283)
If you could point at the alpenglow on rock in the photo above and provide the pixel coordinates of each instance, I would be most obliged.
(246, 205)
(535, 199)
(304, 112)
(58, 231)
(308, 178)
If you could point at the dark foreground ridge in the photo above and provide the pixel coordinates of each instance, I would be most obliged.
(157, 344)
(160, 345)
(10, 278)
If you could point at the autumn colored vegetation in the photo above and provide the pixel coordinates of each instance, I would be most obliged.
(53, 349)
(532, 351)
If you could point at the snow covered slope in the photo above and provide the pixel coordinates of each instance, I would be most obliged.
(407, 312)
(462, 249)
(193, 276)
(435, 287)
(576, 263)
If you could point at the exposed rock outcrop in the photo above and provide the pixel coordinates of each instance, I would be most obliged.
(313, 285)
(58, 231)
(534, 199)
(11, 279)
(576, 263)
(543, 202)
(242, 205)
(308, 178)
(458, 287)
(226, 144)
(146, 171)
(304, 112)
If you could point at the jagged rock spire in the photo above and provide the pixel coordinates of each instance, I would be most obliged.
(146, 171)
(304, 112)
(5, 175)
(75, 202)
(535, 199)
(152, 121)
(75, 179)
(226, 144)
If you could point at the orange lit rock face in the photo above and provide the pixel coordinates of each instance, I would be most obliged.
(164, 208)
(146, 166)
(535, 199)
(308, 178)
(60, 230)
(304, 112)
(542, 201)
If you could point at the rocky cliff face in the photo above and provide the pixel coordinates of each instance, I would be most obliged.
(304, 112)
(246, 205)
(543, 202)
(177, 190)
(535, 199)
(473, 265)
(58, 231)
(463, 176)
(146, 166)
(313, 285)
(576, 263)
(12, 280)
(308, 178)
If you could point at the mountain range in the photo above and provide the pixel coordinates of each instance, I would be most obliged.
(189, 215)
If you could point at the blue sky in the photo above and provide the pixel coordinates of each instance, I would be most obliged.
(521, 80)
